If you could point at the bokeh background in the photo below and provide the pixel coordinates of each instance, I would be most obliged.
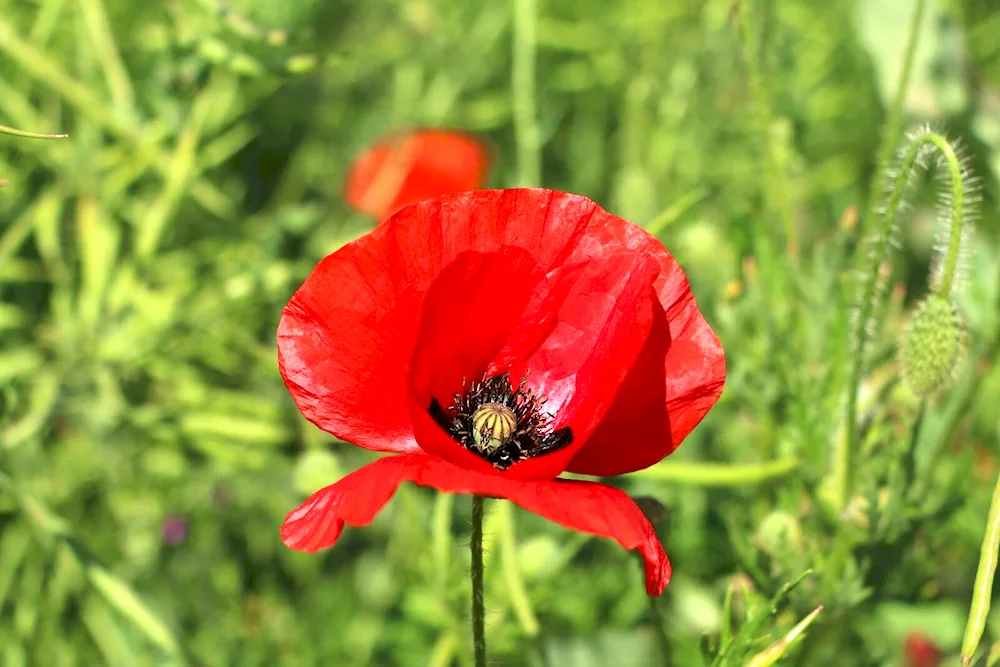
(149, 450)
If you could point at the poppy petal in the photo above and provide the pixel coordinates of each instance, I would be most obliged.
(646, 424)
(588, 507)
(344, 340)
(467, 315)
(403, 169)
(602, 322)
(693, 371)
(635, 432)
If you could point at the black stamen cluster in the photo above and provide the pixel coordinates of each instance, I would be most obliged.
(532, 436)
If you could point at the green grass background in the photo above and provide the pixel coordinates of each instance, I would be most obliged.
(144, 263)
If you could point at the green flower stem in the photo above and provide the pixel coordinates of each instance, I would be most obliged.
(529, 162)
(29, 135)
(719, 474)
(887, 148)
(844, 468)
(983, 588)
(776, 190)
(943, 288)
(478, 609)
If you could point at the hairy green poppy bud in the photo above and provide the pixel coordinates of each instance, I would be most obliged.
(931, 347)
(492, 425)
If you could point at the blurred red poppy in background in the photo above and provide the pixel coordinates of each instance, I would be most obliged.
(919, 650)
(406, 168)
(492, 340)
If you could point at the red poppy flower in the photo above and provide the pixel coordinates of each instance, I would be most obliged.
(921, 651)
(439, 335)
(405, 169)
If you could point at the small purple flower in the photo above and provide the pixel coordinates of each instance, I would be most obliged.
(175, 529)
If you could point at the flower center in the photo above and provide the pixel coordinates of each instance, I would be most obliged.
(492, 424)
(499, 423)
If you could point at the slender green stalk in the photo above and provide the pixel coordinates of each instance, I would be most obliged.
(478, 605)
(676, 210)
(529, 162)
(950, 263)
(983, 588)
(512, 575)
(720, 474)
(887, 148)
(777, 190)
(29, 135)
(844, 464)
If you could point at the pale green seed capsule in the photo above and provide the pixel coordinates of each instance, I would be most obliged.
(492, 425)
(931, 348)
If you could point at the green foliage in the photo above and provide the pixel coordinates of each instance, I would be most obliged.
(144, 263)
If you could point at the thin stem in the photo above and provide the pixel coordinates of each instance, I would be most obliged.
(892, 128)
(529, 163)
(29, 135)
(776, 191)
(863, 324)
(957, 214)
(478, 608)
(983, 588)
(720, 474)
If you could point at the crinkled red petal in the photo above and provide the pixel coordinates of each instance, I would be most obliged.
(635, 432)
(602, 320)
(585, 506)
(344, 340)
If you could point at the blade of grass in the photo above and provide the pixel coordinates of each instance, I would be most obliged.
(982, 591)
(777, 650)
(102, 39)
(515, 590)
